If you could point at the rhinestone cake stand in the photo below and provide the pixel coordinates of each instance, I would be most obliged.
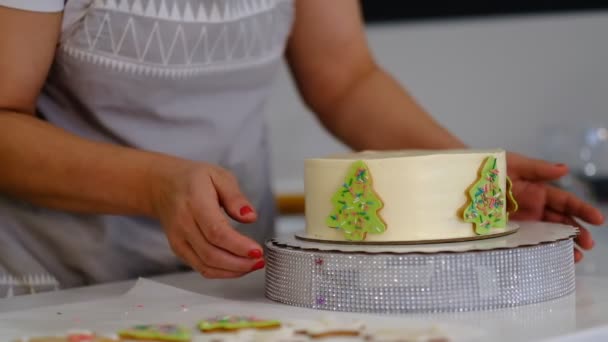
(532, 265)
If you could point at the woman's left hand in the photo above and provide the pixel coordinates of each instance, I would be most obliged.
(539, 200)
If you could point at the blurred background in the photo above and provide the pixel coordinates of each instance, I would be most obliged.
(528, 76)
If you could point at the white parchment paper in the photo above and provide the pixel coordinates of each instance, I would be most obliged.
(151, 302)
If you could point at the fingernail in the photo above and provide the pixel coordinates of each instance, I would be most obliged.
(255, 254)
(246, 210)
(258, 265)
(560, 165)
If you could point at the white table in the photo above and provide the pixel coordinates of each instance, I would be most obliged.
(575, 314)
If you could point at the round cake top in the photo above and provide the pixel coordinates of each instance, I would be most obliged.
(391, 154)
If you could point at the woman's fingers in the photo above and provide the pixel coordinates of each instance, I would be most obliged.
(583, 239)
(218, 258)
(184, 250)
(578, 255)
(534, 169)
(196, 224)
(217, 230)
(231, 197)
(567, 204)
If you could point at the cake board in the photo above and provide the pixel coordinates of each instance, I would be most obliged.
(532, 265)
(509, 229)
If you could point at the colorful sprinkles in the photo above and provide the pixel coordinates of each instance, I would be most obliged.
(158, 332)
(235, 322)
(487, 200)
(356, 205)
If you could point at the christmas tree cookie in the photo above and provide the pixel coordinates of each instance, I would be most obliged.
(486, 207)
(328, 327)
(236, 322)
(356, 205)
(157, 332)
(512, 205)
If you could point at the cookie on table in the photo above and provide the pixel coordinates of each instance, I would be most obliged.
(432, 334)
(72, 336)
(283, 334)
(232, 323)
(157, 333)
(252, 335)
(236, 336)
(326, 328)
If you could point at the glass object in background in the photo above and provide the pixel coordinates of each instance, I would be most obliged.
(594, 157)
(584, 148)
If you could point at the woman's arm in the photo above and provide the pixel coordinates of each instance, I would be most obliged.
(365, 108)
(54, 168)
(44, 164)
(353, 98)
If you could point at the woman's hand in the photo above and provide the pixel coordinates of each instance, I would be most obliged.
(540, 201)
(192, 207)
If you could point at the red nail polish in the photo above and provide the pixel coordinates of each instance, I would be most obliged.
(246, 210)
(258, 265)
(560, 165)
(255, 254)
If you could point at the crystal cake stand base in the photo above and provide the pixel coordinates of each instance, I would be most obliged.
(533, 265)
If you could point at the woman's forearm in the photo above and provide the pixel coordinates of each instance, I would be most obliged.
(50, 167)
(376, 113)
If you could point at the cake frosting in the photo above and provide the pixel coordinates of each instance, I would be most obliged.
(392, 196)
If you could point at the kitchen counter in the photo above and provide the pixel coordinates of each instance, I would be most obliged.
(582, 316)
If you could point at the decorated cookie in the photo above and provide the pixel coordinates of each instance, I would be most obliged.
(235, 322)
(72, 336)
(107, 339)
(235, 336)
(432, 334)
(282, 334)
(486, 200)
(88, 336)
(356, 205)
(327, 328)
(157, 332)
(512, 205)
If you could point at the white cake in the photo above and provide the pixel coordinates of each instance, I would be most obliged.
(405, 196)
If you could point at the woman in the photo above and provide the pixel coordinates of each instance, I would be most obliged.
(132, 137)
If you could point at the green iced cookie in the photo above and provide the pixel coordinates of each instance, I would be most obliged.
(157, 332)
(233, 322)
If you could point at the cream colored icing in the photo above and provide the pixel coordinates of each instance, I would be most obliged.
(423, 192)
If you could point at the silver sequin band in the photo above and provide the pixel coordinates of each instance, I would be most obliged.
(418, 282)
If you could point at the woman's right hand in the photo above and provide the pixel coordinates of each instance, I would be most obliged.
(87, 176)
(192, 206)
